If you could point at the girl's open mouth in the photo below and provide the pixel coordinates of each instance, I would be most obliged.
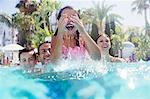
(69, 26)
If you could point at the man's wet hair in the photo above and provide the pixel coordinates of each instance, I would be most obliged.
(41, 45)
(25, 51)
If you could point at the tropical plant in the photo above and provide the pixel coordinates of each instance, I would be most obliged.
(41, 17)
(111, 22)
(1, 56)
(10, 22)
(140, 40)
(32, 21)
(133, 33)
(87, 18)
(99, 16)
(25, 26)
(22, 22)
(143, 46)
(141, 6)
(101, 11)
(118, 39)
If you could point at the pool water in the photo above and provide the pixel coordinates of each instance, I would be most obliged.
(117, 81)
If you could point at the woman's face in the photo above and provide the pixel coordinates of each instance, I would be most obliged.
(70, 27)
(104, 43)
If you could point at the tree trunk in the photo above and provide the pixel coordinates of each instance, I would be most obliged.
(23, 38)
(146, 22)
(13, 34)
(94, 32)
(100, 26)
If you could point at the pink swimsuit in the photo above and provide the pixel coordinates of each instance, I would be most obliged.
(74, 53)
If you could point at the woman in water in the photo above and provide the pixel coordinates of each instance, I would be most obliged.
(104, 44)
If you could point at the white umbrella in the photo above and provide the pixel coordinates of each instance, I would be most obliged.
(12, 47)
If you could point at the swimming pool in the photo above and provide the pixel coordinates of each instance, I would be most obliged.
(106, 81)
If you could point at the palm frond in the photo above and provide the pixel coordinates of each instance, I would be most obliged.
(116, 18)
(139, 6)
(4, 18)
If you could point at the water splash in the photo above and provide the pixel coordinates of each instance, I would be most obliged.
(79, 80)
(14, 86)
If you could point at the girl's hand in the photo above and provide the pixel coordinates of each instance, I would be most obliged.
(62, 24)
(77, 23)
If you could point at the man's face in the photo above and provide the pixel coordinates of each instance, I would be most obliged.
(45, 53)
(27, 59)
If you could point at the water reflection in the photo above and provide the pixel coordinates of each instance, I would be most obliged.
(85, 81)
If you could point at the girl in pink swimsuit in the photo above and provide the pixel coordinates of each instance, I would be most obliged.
(70, 39)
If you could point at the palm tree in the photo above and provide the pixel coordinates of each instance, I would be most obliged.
(111, 22)
(20, 22)
(98, 16)
(30, 19)
(87, 18)
(41, 19)
(100, 12)
(118, 39)
(142, 6)
(9, 21)
(143, 43)
(34, 23)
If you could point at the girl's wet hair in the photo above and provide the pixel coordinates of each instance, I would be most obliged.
(58, 17)
(66, 7)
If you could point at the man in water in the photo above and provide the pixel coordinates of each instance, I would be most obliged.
(27, 59)
(44, 52)
(47, 57)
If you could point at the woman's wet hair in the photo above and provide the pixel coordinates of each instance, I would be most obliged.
(110, 50)
(58, 17)
(100, 36)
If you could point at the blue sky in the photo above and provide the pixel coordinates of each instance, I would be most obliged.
(123, 8)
